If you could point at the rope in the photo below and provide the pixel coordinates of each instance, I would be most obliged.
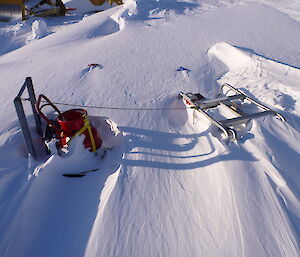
(115, 108)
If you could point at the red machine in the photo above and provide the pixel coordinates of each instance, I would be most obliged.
(68, 125)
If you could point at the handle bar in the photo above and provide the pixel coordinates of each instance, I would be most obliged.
(39, 108)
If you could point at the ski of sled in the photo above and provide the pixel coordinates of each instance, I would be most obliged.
(232, 103)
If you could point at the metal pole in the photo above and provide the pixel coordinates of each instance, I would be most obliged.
(22, 89)
(32, 99)
(24, 126)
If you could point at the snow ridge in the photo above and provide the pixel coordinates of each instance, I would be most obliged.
(166, 185)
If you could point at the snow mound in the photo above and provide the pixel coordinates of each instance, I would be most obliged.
(45, 183)
(270, 81)
(273, 83)
(231, 56)
(39, 29)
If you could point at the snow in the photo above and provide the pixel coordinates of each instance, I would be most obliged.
(39, 29)
(169, 186)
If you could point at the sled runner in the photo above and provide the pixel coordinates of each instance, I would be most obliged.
(233, 102)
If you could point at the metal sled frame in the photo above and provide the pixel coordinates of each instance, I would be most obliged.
(232, 103)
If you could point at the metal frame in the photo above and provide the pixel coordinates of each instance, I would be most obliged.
(267, 110)
(22, 117)
(231, 103)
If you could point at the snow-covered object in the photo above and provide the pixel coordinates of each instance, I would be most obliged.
(128, 8)
(39, 29)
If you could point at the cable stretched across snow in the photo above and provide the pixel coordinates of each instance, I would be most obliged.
(116, 108)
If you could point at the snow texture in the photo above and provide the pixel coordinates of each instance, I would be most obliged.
(169, 185)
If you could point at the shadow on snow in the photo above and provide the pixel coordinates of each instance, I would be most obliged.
(154, 140)
(147, 8)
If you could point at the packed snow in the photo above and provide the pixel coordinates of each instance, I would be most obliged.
(164, 183)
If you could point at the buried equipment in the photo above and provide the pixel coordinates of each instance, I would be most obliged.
(234, 103)
(66, 126)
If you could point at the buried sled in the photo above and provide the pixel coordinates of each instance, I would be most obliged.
(235, 103)
(66, 126)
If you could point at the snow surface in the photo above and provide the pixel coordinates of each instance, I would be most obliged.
(168, 187)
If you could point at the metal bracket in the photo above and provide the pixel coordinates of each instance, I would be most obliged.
(22, 117)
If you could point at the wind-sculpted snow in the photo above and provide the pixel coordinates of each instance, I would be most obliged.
(271, 82)
(27, 32)
(275, 84)
(171, 186)
(71, 205)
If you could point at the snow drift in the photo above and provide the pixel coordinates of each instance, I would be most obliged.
(169, 187)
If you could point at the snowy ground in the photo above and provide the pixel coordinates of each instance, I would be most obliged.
(168, 187)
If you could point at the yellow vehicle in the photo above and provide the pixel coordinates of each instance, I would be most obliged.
(17, 3)
(43, 8)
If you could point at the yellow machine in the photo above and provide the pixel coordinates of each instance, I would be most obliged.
(15, 2)
(56, 7)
